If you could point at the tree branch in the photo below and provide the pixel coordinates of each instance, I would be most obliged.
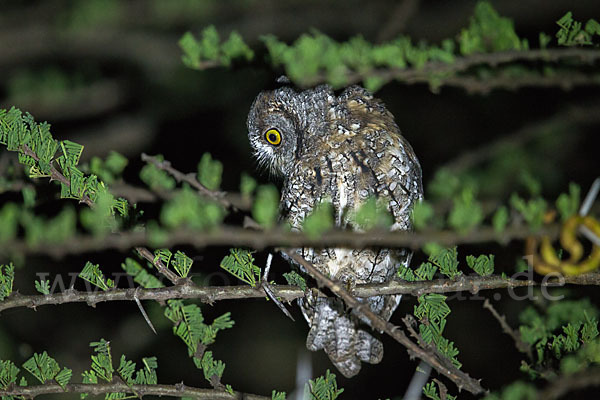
(177, 390)
(569, 383)
(515, 335)
(441, 364)
(235, 236)
(210, 294)
(189, 178)
(447, 73)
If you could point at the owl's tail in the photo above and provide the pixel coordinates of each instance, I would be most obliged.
(346, 341)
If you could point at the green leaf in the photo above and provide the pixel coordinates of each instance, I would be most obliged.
(422, 214)
(189, 209)
(293, 278)
(322, 388)
(42, 366)
(7, 277)
(43, 286)
(533, 210)
(371, 214)
(500, 219)
(93, 274)
(209, 172)
(483, 265)
(266, 206)
(489, 32)
(8, 373)
(275, 395)
(247, 185)
(101, 362)
(9, 218)
(568, 204)
(213, 369)
(320, 220)
(157, 179)
(466, 212)
(240, 264)
(141, 275)
(447, 261)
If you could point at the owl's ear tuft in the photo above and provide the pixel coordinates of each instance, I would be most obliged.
(284, 80)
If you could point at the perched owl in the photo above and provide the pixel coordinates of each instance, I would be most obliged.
(342, 149)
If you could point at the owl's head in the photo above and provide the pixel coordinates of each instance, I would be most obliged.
(280, 124)
(273, 129)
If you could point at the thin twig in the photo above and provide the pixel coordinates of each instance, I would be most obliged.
(160, 266)
(236, 236)
(210, 294)
(516, 336)
(188, 178)
(441, 364)
(177, 390)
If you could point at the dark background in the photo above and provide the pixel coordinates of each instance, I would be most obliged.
(108, 75)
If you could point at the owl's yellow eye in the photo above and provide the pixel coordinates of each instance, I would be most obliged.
(273, 136)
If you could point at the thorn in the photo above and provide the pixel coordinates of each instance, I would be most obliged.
(139, 304)
(267, 288)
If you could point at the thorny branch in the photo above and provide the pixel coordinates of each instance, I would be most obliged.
(176, 390)
(440, 363)
(515, 335)
(210, 294)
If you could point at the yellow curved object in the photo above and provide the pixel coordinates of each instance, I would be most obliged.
(548, 261)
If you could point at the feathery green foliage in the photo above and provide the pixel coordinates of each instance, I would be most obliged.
(446, 260)
(186, 208)
(247, 185)
(430, 391)
(489, 32)
(8, 373)
(574, 33)
(500, 219)
(432, 311)
(483, 265)
(156, 178)
(425, 272)
(422, 214)
(110, 169)
(319, 221)
(265, 209)
(568, 204)
(209, 49)
(43, 286)
(45, 368)
(210, 172)
(140, 274)
(466, 212)
(180, 262)
(93, 274)
(294, 278)
(372, 214)
(275, 395)
(322, 388)
(240, 264)
(7, 276)
(532, 210)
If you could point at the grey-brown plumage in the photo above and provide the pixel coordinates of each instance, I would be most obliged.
(343, 149)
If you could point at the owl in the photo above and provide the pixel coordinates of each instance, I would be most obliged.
(344, 150)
